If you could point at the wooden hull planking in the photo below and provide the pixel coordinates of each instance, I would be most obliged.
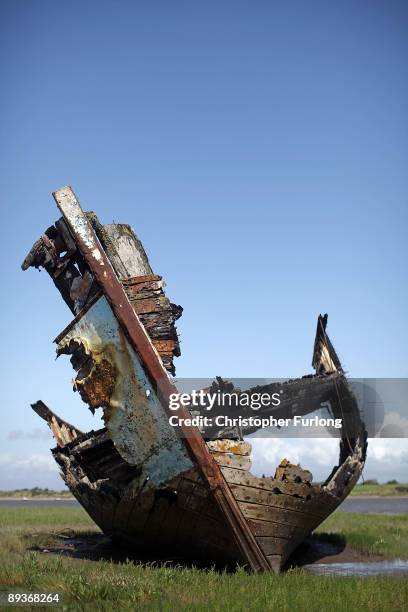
(138, 480)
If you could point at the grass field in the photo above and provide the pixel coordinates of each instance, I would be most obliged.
(380, 490)
(126, 585)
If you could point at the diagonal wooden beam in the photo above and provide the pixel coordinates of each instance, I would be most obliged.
(196, 447)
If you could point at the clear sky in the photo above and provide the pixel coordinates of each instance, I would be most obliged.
(258, 149)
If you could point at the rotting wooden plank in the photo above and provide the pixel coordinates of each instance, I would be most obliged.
(124, 249)
(260, 496)
(157, 315)
(187, 487)
(176, 534)
(238, 462)
(178, 529)
(278, 546)
(277, 529)
(93, 507)
(298, 397)
(123, 514)
(318, 507)
(275, 562)
(132, 514)
(237, 447)
(200, 505)
(63, 432)
(144, 279)
(196, 497)
(128, 258)
(240, 477)
(178, 525)
(294, 473)
(156, 521)
(215, 539)
(101, 268)
(287, 515)
(200, 522)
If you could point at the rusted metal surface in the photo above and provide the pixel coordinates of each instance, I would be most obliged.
(110, 376)
(136, 478)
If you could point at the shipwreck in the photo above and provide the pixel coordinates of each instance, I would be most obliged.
(188, 493)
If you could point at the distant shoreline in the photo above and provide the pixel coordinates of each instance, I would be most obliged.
(380, 490)
(396, 497)
(43, 496)
(360, 491)
(23, 499)
(35, 498)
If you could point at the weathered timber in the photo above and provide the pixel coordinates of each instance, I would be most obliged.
(136, 478)
(287, 515)
(238, 462)
(63, 432)
(101, 269)
(157, 315)
(236, 447)
(299, 397)
(276, 529)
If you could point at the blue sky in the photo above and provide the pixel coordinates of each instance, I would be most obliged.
(259, 150)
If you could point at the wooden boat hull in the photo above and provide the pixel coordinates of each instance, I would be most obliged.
(139, 480)
(180, 517)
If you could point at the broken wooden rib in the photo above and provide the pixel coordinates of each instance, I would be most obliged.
(63, 432)
(136, 478)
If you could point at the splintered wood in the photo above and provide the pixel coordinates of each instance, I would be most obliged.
(157, 314)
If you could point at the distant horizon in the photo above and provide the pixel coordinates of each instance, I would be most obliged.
(361, 481)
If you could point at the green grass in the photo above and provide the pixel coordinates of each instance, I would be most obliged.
(380, 490)
(370, 534)
(105, 585)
